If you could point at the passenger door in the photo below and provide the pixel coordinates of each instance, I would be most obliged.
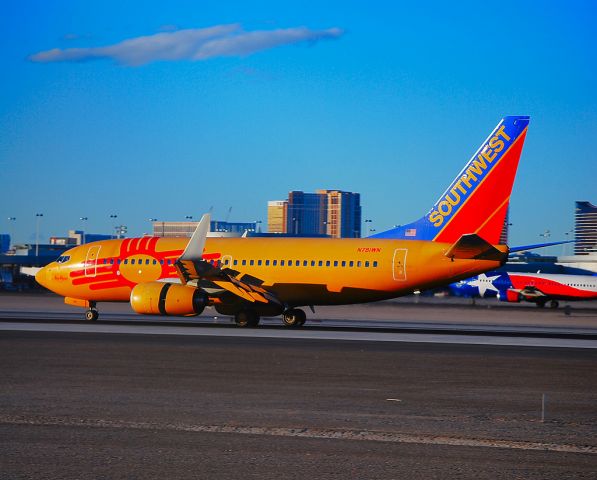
(399, 264)
(91, 261)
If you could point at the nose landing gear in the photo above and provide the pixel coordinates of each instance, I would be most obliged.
(92, 314)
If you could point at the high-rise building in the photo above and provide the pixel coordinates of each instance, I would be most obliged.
(276, 216)
(327, 212)
(306, 213)
(343, 218)
(585, 228)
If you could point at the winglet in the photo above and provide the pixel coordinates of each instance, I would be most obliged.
(194, 250)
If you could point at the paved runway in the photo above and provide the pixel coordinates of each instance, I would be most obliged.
(130, 398)
(405, 320)
(84, 405)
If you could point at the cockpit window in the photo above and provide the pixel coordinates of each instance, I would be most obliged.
(63, 259)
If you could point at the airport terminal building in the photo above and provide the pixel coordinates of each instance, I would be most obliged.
(217, 228)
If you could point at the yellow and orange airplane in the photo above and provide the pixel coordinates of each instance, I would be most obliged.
(253, 277)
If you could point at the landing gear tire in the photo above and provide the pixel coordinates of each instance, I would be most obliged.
(91, 315)
(554, 304)
(246, 318)
(540, 303)
(295, 317)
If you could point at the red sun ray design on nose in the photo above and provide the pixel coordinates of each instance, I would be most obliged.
(109, 273)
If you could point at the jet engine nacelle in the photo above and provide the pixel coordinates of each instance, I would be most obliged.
(159, 298)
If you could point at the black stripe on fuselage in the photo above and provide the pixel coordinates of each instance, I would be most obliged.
(162, 299)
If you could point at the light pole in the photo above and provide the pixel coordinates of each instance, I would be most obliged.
(37, 219)
(11, 219)
(83, 220)
(113, 218)
(190, 219)
(368, 226)
(151, 219)
(568, 233)
(545, 234)
(121, 231)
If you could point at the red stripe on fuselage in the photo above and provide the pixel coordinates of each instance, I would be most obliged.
(550, 287)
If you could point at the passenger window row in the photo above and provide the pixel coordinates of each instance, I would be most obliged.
(244, 262)
(297, 263)
(137, 261)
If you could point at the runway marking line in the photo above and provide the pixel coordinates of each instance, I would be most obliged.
(316, 433)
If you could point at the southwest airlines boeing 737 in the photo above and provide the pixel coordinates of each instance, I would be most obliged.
(253, 277)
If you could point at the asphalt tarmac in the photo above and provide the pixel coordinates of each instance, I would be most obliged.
(134, 405)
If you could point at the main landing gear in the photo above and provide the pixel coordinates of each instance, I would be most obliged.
(294, 317)
(552, 304)
(246, 318)
(92, 314)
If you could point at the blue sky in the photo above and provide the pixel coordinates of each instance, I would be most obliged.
(117, 107)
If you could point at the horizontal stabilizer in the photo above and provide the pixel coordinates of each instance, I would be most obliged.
(538, 245)
(472, 246)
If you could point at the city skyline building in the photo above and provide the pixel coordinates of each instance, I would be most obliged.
(343, 214)
(585, 228)
(306, 213)
(333, 213)
(277, 213)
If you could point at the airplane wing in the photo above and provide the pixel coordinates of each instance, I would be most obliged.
(245, 286)
(191, 266)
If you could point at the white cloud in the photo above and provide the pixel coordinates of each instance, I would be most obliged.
(189, 44)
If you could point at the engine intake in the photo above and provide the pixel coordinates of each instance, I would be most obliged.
(159, 298)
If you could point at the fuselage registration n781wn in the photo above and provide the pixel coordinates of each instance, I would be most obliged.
(262, 276)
